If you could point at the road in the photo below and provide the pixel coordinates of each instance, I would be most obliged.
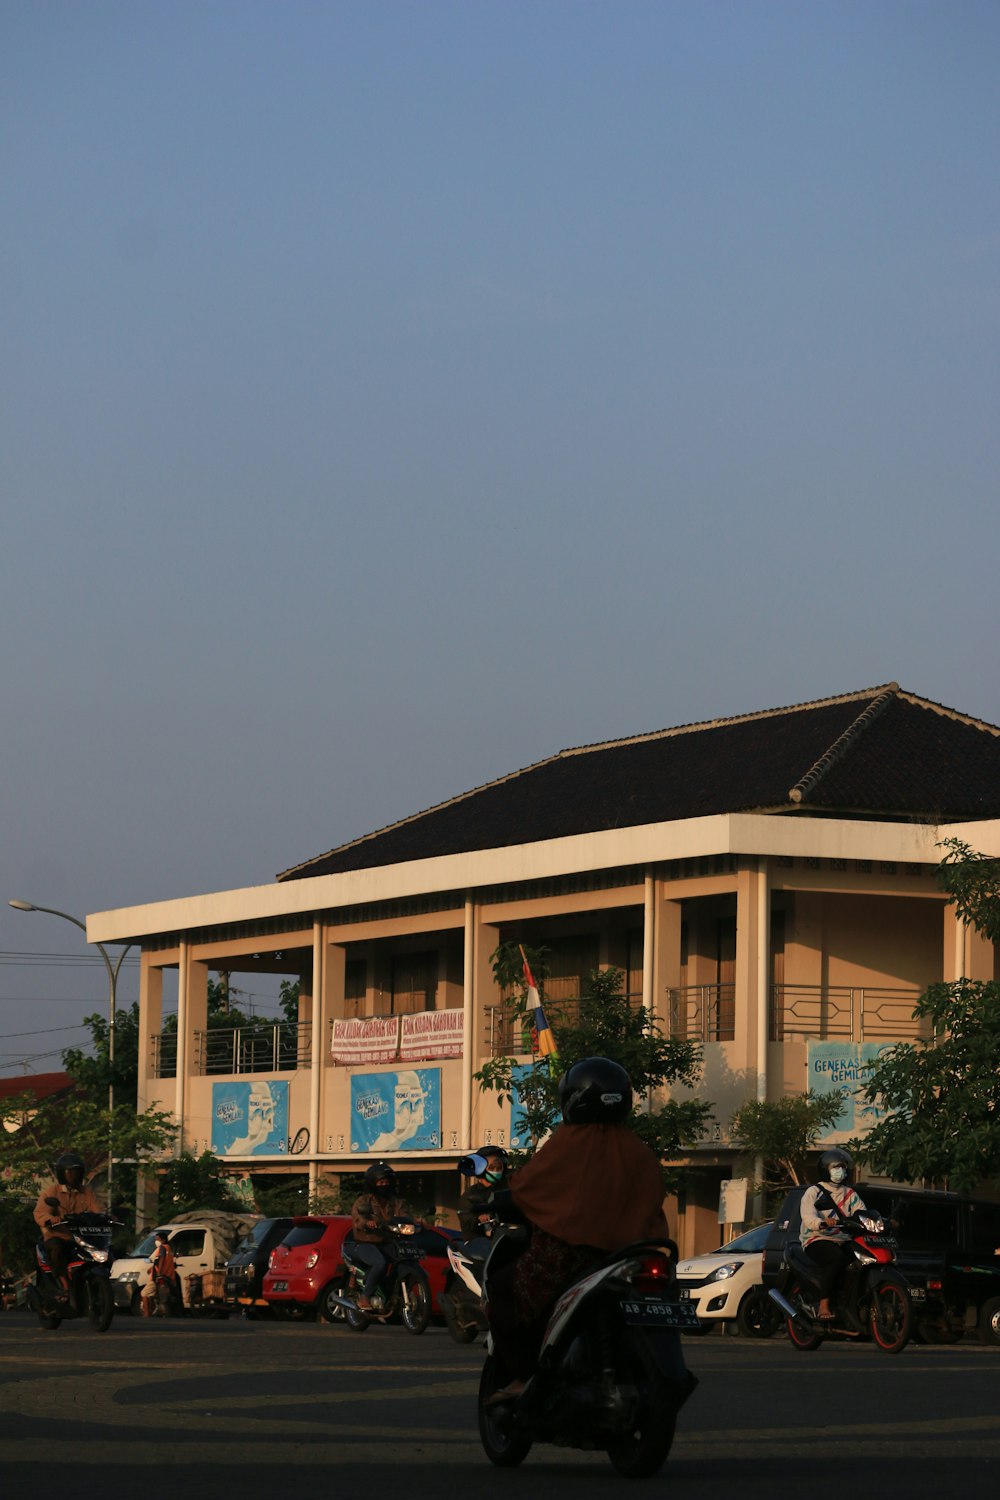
(267, 1411)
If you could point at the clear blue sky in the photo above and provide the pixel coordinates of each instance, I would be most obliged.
(395, 393)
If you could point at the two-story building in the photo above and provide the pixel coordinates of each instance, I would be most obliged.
(765, 882)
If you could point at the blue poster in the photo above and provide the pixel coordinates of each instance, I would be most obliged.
(520, 1138)
(842, 1068)
(250, 1119)
(396, 1111)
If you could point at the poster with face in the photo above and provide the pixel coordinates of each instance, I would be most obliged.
(250, 1119)
(396, 1111)
(842, 1068)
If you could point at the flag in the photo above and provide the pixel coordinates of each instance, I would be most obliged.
(545, 1042)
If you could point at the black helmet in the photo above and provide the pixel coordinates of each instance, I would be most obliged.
(595, 1091)
(380, 1171)
(71, 1161)
(837, 1156)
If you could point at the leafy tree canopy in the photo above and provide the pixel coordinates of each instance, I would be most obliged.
(601, 1024)
(782, 1132)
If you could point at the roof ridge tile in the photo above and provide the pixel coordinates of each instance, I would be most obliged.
(843, 742)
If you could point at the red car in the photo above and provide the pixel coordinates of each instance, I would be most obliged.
(308, 1266)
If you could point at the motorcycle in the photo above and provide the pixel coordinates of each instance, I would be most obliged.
(461, 1301)
(611, 1372)
(403, 1291)
(873, 1300)
(89, 1268)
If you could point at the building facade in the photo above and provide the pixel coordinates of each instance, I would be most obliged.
(766, 885)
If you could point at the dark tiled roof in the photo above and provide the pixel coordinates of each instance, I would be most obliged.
(882, 752)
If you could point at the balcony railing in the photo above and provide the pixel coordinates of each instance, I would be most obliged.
(276, 1047)
(800, 1012)
(702, 1012)
(508, 1035)
(853, 1013)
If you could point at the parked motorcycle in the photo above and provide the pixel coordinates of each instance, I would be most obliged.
(89, 1269)
(461, 1301)
(403, 1291)
(611, 1372)
(873, 1300)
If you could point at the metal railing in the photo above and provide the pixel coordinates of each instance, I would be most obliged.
(702, 1012)
(262, 1047)
(510, 1035)
(854, 1013)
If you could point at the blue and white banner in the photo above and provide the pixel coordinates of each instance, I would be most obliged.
(396, 1111)
(842, 1068)
(250, 1119)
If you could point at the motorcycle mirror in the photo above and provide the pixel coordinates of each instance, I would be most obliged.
(473, 1166)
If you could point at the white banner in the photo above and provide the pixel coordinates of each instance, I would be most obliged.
(432, 1033)
(370, 1039)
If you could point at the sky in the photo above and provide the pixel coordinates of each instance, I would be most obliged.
(395, 393)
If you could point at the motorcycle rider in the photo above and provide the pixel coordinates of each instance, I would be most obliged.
(473, 1213)
(592, 1187)
(371, 1214)
(821, 1234)
(69, 1194)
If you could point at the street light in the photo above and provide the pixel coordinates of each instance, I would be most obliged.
(112, 969)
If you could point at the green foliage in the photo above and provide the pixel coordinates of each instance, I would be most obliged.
(781, 1133)
(92, 1068)
(191, 1182)
(601, 1024)
(35, 1133)
(972, 880)
(943, 1096)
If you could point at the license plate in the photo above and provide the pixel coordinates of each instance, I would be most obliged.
(918, 1294)
(279, 1286)
(660, 1314)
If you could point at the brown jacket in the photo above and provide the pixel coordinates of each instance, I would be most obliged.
(71, 1201)
(368, 1209)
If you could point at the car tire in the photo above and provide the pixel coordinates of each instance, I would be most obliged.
(989, 1321)
(330, 1311)
(757, 1317)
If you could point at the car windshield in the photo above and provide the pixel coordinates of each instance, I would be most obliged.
(753, 1239)
(145, 1247)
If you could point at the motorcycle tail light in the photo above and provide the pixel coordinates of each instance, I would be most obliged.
(653, 1273)
(934, 1286)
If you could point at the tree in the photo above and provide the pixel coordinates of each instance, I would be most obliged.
(92, 1068)
(190, 1182)
(939, 1099)
(605, 1025)
(782, 1132)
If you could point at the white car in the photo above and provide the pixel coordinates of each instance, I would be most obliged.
(725, 1286)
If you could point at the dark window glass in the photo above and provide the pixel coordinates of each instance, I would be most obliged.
(304, 1234)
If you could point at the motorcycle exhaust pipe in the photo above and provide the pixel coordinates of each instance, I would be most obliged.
(783, 1303)
(344, 1302)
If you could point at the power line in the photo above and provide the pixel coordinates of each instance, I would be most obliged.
(8, 1036)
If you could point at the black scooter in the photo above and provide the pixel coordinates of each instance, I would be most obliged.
(89, 1270)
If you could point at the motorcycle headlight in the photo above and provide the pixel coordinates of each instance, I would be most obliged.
(99, 1255)
(724, 1272)
(872, 1223)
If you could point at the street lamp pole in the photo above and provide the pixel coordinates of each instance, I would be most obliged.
(113, 971)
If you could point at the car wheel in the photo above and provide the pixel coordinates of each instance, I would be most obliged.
(757, 1317)
(989, 1321)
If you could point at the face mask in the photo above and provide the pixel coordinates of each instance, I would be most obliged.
(837, 1174)
(493, 1178)
(383, 1190)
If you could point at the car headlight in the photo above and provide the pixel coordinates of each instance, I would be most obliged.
(128, 1276)
(724, 1272)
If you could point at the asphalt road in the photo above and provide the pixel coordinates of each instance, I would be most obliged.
(243, 1411)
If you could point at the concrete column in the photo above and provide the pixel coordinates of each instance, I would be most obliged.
(484, 994)
(468, 1022)
(752, 920)
(182, 1031)
(316, 1051)
(150, 1025)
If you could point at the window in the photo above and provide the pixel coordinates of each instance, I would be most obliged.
(188, 1242)
(414, 982)
(304, 1234)
(932, 1226)
(355, 987)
